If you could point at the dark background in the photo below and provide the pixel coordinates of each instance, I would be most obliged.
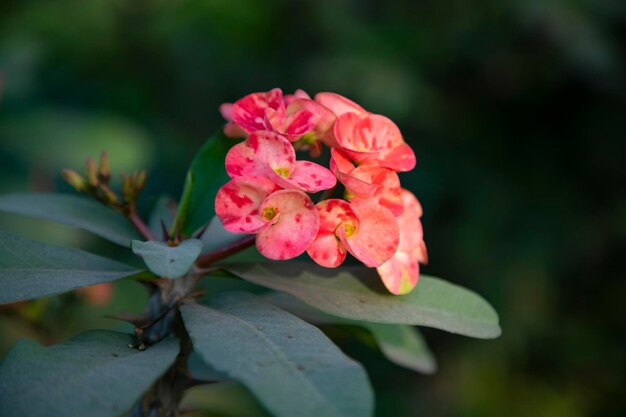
(515, 110)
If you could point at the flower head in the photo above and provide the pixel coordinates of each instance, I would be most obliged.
(377, 222)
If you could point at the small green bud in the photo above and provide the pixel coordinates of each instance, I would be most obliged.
(110, 196)
(74, 179)
(140, 180)
(92, 172)
(127, 189)
(104, 169)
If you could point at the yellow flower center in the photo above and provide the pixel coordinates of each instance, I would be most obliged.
(269, 213)
(349, 228)
(283, 172)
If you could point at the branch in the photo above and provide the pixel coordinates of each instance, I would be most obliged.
(141, 226)
(208, 259)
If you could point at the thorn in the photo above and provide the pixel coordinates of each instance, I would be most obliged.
(164, 231)
(198, 234)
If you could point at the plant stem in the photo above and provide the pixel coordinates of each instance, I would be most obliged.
(208, 259)
(141, 226)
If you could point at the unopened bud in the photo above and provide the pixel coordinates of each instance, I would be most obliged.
(127, 188)
(104, 169)
(140, 180)
(110, 196)
(92, 172)
(74, 179)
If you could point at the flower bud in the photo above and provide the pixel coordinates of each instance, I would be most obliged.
(104, 169)
(92, 172)
(140, 180)
(110, 196)
(127, 189)
(74, 179)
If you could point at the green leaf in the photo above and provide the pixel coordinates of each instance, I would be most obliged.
(168, 261)
(30, 269)
(224, 399)
(401, 344)
(94, 374)
(74, 211)
(357, 293)
(204, 178)
(289, 365)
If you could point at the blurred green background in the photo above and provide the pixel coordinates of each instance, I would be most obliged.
(516, 111)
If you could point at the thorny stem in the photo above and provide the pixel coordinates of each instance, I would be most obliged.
(208, 259)
(165, 395)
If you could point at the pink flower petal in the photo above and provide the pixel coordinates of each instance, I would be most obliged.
(400, 273)
(232, 130)
(400, 158)
(294, 230)
(297, 124)
(411, 234)
(252, 156)
(226, 110)
(237, 204)
(388, 192)
(359, 133)
(422, 253)
(377, 235)
(322, 119)
(307, 176)
(327, 250)
(250, 111)
(340, 163)
(366, 133)
(299, 94)
(342, 166)
(338, 104)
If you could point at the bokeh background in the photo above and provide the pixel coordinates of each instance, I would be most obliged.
(516, 111)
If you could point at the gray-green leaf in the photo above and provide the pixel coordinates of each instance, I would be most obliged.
(168, 261)
(30, 269)
(94, 374)
(71, 210)
(402, 344)
(289, 365)
(357, 293)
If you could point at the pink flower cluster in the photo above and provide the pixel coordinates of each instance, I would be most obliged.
(377, 221)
